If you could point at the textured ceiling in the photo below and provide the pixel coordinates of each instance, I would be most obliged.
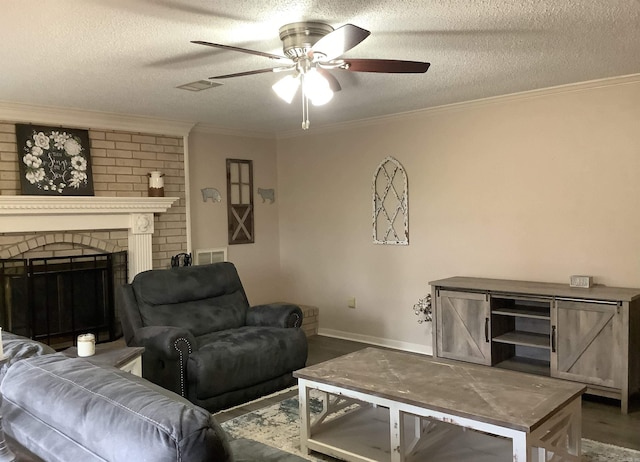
(127, 56)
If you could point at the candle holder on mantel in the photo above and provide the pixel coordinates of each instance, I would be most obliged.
(5, 453)
(156, 184)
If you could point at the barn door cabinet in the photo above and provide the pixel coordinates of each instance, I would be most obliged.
(462, 325)
(591, 336)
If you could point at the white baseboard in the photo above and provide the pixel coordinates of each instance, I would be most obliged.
(405, 346)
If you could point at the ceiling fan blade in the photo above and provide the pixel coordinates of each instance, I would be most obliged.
(392, 66)
(333, 82)
(241, 50)
(240, 74)
(339, 41)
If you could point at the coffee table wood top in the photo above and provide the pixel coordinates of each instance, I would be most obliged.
(500, 397)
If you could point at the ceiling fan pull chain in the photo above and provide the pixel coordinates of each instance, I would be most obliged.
(305, 113)
(305, 105)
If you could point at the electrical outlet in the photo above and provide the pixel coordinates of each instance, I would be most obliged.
(351, 302)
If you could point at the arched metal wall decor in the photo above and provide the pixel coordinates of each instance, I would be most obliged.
(390, 204)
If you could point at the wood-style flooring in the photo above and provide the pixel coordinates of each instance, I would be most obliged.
(601, 418)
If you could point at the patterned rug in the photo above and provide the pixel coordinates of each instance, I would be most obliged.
(278, 426)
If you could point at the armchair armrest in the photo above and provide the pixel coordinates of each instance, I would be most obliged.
(167, 350)
(275, 315)
(165, 341)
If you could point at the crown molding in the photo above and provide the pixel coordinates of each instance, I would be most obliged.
(521, 96)
(81, 118)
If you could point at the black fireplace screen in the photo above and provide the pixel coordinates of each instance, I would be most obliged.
(54, 299)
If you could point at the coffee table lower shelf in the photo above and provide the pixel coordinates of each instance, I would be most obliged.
(364, 435)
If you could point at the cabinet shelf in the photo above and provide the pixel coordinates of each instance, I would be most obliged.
(528, 365)
(529, 339)
(522, 313)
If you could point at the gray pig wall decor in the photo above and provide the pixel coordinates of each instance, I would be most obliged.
(267, 194)
(211, 193)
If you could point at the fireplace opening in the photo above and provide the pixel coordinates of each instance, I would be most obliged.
(55, 299)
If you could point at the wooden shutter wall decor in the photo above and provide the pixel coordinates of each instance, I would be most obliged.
(240, 201)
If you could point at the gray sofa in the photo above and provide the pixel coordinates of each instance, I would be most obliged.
(61, 409)
(73, 410)
(202, 339)
(17, 348)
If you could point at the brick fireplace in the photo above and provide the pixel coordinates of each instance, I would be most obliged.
(52, 291)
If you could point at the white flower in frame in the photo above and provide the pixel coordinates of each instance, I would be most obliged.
(36, 151)
(59, 139)
(32, 161)
(77, 178)
(79, 163)
(34, 176)
(72, 147)
(41, 140)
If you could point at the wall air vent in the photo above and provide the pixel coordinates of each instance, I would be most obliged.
(199, 85)
(208, 256)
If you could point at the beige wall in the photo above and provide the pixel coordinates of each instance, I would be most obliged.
(257, 263)
(534, 187)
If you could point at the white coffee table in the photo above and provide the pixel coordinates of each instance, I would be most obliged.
(383, 405)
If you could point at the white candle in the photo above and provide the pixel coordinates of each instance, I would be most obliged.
(86, 345)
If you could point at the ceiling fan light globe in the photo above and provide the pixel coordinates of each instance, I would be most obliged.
(315, 84)
(286, 88)
(322, 97)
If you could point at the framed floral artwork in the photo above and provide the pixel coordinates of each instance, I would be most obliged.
(54, 161)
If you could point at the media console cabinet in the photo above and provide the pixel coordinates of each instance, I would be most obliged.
(590, 336)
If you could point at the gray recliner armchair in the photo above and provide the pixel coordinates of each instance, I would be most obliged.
(202, 339)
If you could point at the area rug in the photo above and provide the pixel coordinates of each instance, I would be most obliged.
(278, 426)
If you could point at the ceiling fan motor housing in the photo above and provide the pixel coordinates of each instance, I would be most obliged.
(298, 37)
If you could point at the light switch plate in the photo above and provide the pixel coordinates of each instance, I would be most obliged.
(581, 281)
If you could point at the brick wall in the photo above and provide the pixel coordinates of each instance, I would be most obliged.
(120, 162)
(310, 319)
(58, 244)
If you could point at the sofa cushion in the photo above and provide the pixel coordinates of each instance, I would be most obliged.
(208, 298)
(232, 359)
(101, 413)
(17, 347)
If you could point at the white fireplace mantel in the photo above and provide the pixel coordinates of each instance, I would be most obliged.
(21, 214)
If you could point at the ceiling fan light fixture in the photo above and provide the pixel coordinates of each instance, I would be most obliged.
(322, 97)
(287, 87)
(317, 88)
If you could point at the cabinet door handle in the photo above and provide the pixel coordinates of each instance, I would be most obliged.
(553, 339)
(486, 329)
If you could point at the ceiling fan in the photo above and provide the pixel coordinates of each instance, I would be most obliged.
(311, 50)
